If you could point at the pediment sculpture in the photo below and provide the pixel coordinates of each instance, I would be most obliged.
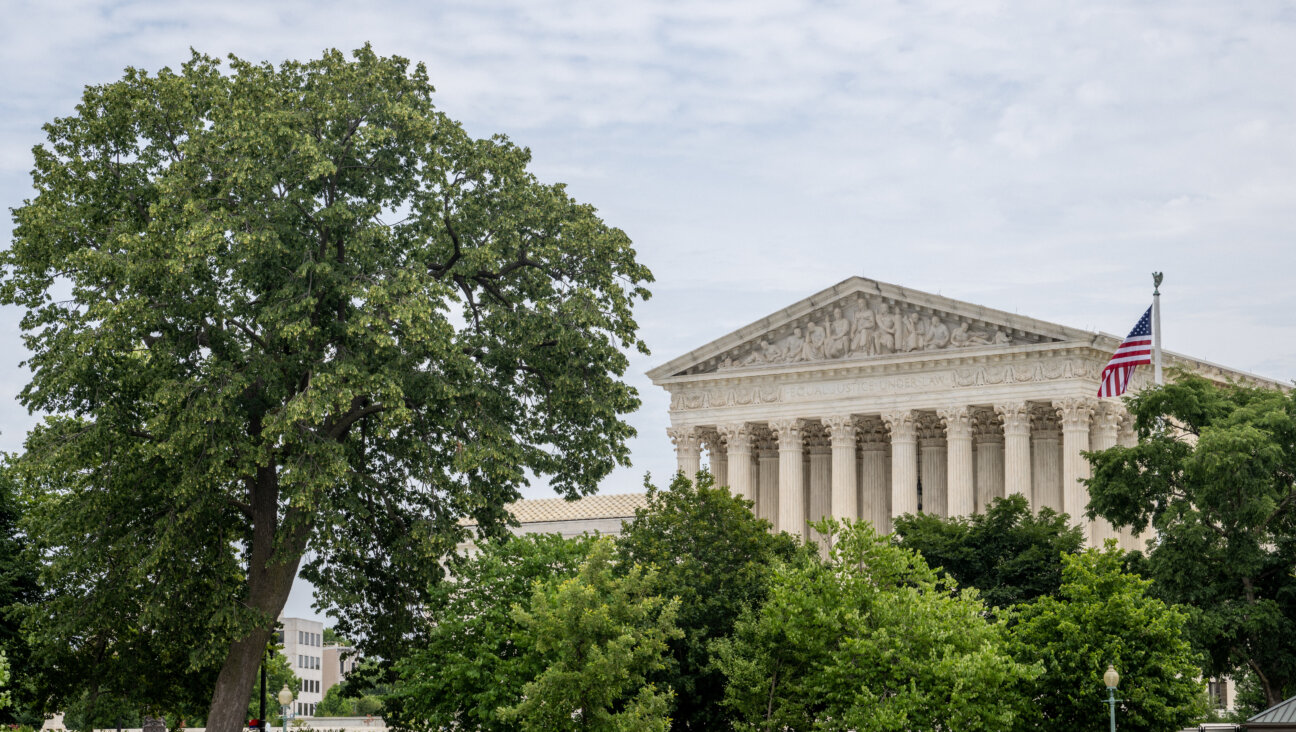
(864, 327)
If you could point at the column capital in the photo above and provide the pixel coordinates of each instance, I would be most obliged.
(987, 427)
(686, 439)
(1108, 418)
(841, 430)
(1075, 412)
(1015, 416)
(931, 431)
(788, 432)
(958, 421)
(903, 424)
(713, 441)
(1127, 436)
(737, 436)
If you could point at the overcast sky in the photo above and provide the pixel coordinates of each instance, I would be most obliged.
(1037, 157)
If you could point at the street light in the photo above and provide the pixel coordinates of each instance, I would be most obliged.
(1111, 679)
(285, 702)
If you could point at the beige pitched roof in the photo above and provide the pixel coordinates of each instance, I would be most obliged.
(536, 510)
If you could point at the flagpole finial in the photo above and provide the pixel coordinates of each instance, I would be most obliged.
(1156, 283)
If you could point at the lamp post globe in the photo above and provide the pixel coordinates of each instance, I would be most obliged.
(1111, 679)
(285, 696)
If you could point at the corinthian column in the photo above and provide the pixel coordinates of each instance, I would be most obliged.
(933, 473)
(875, 484)
(841, 430)
(788, 432)
(987, 436)
(1075, 414)
(688, 450)
(904, 461)
(820, 481)
(717, 456)
(768, 505)
(1046, 456)
(738, 437)
(1106, 427)
(1017, 460)
(960, 498)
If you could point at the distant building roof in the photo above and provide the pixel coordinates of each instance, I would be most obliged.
(539, 510)
(1281, 716)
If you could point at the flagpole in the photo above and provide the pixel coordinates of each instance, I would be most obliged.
(1156, 327)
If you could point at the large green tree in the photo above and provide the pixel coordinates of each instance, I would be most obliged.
(1214, 472)
(717, 557)
(1104, 616)
(274, 309)
(870, 640)
(600, 635)
(18, 591)
(1009, 554)
(476, 656)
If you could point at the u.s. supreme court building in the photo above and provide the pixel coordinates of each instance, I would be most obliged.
(868, 400)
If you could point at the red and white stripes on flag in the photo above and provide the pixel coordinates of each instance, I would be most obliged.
(1135, 350)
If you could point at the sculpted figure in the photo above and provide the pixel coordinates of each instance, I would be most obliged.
(885, 342)
(978, 338)
(757, 356)
(862, 332)
(795, 344)
(839, 335)
(1001, 338)
(961, 337)
(816, 339)
(913, 340)
(938, 334)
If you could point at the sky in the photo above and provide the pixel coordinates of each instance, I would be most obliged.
(1041, 158)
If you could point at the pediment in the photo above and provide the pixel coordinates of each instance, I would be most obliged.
(861, 319)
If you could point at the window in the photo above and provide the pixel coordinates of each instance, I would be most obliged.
(301, 636)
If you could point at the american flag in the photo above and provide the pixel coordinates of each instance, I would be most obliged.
(1136, 349)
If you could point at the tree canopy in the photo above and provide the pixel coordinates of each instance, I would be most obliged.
(713, 553)
(274, 309)
(1103, 616)
(1214, 472)
(871, 639)
(1009, 554)
(476, 657)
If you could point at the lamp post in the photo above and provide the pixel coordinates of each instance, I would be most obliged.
(285, 702)
(1111, 679)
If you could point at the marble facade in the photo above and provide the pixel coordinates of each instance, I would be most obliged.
(869, 400)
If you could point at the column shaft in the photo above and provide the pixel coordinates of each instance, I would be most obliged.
(769, 487)
(739, 440)
(1075, 415)
(988, 439)
(820, 486)
(1046, 462)
(1017, 460)
(904, 462)
(960, 496)
(791, 497)
(1106, 426)
(719, 459)
(841, 430)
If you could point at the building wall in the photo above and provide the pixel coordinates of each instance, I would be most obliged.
(339, 662)
(303, 646)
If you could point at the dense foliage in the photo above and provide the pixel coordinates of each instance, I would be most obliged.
(599, 635)
(1007, 553)
(870, 639)
(1103, 616)
(476, 656)
(18, 591)
(280, 309)
(715, 555)
(1214, 473)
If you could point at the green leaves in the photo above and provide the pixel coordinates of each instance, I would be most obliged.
(307, 312)
(1213, 474)
(1103, 616)
(869, 640)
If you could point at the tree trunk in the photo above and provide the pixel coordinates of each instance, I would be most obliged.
(268, 588)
